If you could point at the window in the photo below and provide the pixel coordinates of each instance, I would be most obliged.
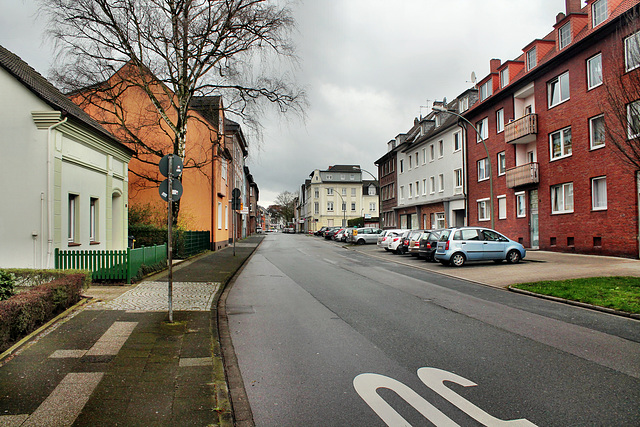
(344, 191)
(432, 152)
(599, 12)
(424, 156)
(632, 51)
(486, 90)
(432, 185)
(330, 206)
(93, 220)
(316, 207)
(500, 120)
(457, 174)
(441, 183)
(316, 193)
(440, 149)
(560, 143)
(484, 213)
(410, 190)
(502, 207)
(219, 216)
(342, 177)
(328, 177)
(599, 193)
(226, 217)
(463, 104)
(564, 35)
(633, 119)
(372, 190)
(532, 59)
(594, 71)
(439, 220)
(457, 142)
(504, 77)
(372, 207)
(72, 220)
(562, 198)
(596, 132)
(502, 163)
(353, 192)
(483, 169)
(521, 208)
(401, 192)
(424, 187)
(409, 161)
(417, 188)
(330, 191)
(417, 160)
(558, 89)
(352, 177)
(353, 206)
(401, 165)
(483, 129)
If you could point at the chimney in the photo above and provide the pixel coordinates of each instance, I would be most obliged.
(494, 64)
(573, 6)
(560, 17)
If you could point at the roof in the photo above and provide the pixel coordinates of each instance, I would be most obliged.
(51, 95)
(209, 107)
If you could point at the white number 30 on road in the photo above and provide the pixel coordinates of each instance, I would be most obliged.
(367, 385)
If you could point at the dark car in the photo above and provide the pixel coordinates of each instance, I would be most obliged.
(331, 232)
(429, 244)
(320, 232)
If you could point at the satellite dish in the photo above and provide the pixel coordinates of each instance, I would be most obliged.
(473, 77)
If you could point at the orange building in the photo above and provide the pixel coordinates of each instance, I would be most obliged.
(204, 205)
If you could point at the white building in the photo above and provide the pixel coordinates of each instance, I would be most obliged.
(64, 176)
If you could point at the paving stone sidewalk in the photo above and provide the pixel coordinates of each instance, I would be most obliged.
(119, 362)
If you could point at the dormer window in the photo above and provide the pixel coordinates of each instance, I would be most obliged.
(437, 120)
(463, 104)
(599, 12)
(564, 35)
(532, 59)
(486, 90)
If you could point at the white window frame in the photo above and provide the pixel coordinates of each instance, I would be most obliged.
(458, 178)
(329, 206)
(484, 209)
(424, 187)
(439, 220)
(502, 163)
(226, 217)
(565, 150)
(593, 144)
(219, 215)
(562, 198)
(560, 85)
(441, 183)
(483, 171)
(532, 58)
(502, 206)
(372, 206)
(316, 193)
(486, 90)
(72, 220)
(457, 142)
(463, 104)
(500, 120)
(316, 207)
(353, 206)
(411, 190)
(632, 52)
(599, 12)
(633, 119)
(504, 77)
(432, 185)
(594, 71)
(440, 149)
(597, 202)
(483, 127)
(344, 191)
(564, 35)
(93, 219)
(432, 152)
(521, 204)
(424, 156)
(330, 191)
(353, 192)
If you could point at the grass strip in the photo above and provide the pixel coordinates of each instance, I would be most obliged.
(618, 293)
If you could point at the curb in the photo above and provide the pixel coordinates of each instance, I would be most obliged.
(575, 303)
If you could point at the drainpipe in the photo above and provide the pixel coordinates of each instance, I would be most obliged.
(50, 191)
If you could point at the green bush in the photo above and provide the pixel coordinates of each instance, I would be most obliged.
(25, 312)
(7, 285)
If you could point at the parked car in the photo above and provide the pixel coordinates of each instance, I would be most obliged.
(413, 243)
(365, 235)
(395, 245)
(459, 245)
(321, 231)
(384, 238)
(428, 244)
(329, 233)
(348, 234)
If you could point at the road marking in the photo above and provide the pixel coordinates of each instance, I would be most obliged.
(112, 341)
(64, 404)
(367, 385)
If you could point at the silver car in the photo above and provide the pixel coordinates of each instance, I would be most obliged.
(364, 235)
(459, 245)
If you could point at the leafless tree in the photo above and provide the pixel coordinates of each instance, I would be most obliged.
(172, 52)
(622, 101)
(286, 205)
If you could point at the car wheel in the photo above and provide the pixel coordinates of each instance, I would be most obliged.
(513, 257)
(387, 249)
(361, 242)
(458, 259)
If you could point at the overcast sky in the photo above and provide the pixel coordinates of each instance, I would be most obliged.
(369, 66)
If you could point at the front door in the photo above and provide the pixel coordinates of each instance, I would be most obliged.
(533, 225)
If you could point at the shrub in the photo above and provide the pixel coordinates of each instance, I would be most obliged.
(7, 285)
(25, 312)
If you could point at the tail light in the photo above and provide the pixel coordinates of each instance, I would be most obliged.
(428, 245)
(446, 246)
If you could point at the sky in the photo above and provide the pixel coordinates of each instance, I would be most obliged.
(369, 68)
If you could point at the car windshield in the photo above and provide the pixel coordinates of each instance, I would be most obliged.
(445, 235)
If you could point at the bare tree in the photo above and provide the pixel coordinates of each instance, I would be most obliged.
(622, 101)
(170, 52)
(286, 205)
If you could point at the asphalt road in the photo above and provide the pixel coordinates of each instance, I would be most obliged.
(327, 336)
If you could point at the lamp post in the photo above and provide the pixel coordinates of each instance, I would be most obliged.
(446, 110)
(344, 211)
(380, 220)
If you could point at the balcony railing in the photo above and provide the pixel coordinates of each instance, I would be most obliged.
(523, 175)
(522, 131)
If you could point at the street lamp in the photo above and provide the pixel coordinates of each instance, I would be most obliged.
(444, 109)
(344, 210)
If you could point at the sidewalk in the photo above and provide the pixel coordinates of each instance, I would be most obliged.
(117, 360)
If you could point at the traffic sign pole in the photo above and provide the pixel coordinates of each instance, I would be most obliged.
(169, 232)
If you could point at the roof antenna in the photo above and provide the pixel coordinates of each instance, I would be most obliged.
(473, 79)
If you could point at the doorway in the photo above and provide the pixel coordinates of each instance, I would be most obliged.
(533, 225)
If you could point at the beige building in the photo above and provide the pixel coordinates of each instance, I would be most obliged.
(338, 194)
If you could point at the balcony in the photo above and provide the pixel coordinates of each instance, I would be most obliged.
(521, 131)
(523, 175)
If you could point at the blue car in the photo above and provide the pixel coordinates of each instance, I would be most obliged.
(456, 246)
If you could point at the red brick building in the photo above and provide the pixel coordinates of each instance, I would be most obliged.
(559, 183)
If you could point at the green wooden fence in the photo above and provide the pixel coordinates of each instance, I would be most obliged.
(111, 265)
(192, 243)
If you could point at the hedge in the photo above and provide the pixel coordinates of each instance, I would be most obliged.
(23, 313)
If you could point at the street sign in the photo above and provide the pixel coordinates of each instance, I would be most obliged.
(176, 190)
(176, 165)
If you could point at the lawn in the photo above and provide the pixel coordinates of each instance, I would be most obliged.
(618, 293)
